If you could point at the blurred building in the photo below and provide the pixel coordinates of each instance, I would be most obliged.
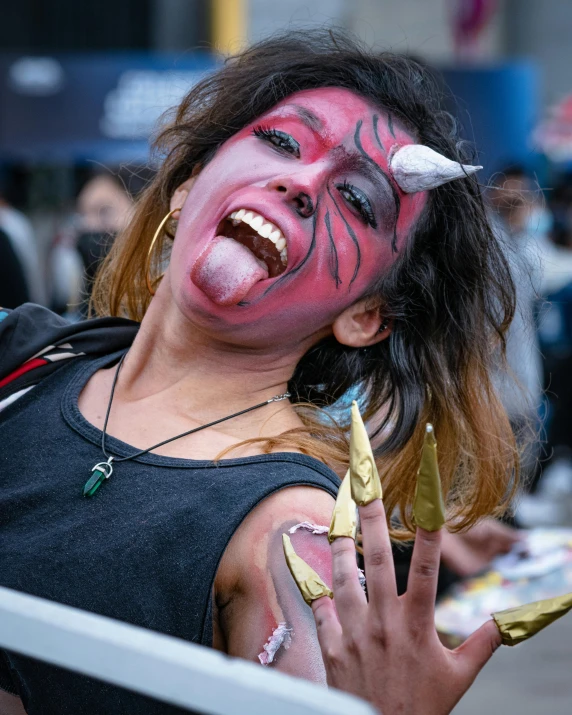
(83, 84)
(464, 36)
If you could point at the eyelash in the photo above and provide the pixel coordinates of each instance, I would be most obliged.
(279, 140)
(363, 203)
(284, 142)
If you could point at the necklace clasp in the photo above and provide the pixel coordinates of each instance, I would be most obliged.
(279, 398)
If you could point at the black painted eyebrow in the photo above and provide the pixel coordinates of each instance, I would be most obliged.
(390, 125)
(309, 118)
(376, 134)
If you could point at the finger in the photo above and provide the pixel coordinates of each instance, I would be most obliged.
(377, 555)
(309, 583)
(327, 625)
(344, 516)
(428, 505)
(429, 516)
(477, 650)
(423, 576)
(520, 623)
(364, 477)
(349, 597)
(367, 493)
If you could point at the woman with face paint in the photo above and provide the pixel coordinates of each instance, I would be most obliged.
(314, 228)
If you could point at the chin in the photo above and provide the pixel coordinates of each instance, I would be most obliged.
(266, 323)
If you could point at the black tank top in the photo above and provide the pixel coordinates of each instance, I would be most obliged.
(145, 549)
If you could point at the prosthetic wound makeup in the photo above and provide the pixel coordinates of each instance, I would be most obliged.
(364, 477)
(281, 638)
(316, 529)
(309, 205)
(428, 506)
(310, 584)
(518, 624)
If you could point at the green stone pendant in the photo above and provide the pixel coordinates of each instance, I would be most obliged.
(100, 473)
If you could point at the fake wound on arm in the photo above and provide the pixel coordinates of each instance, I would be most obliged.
(265, 620)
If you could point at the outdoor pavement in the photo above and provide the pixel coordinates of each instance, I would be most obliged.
(533, 678)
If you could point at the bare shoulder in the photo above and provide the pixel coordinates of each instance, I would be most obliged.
(255, 594)
(299, 506)
(296, 501)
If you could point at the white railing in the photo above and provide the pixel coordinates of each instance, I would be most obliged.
(168, 669)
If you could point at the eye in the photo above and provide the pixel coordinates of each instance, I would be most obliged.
(280, 140)
(358, 201)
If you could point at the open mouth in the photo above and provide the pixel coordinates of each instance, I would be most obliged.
(262, 238)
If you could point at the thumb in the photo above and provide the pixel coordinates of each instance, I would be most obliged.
(476, 651)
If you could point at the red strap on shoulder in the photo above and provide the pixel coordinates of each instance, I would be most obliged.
(26, 367)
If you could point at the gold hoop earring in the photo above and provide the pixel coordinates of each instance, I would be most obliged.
(151, 283)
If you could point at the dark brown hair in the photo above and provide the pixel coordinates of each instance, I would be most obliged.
(449, 295)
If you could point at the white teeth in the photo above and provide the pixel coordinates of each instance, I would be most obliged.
(264, 229)
(257, 222)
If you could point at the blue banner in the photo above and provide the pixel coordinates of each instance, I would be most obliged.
(78, 108)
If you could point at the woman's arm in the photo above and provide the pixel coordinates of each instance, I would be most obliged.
(255, 593)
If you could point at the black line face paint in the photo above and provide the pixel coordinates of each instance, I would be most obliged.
(299, 267)
(333, 262)
(376, 134)
(329, 158)
(353, 238)
(396, 198)
(390, 125)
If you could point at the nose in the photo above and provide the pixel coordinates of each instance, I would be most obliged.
(300, 192)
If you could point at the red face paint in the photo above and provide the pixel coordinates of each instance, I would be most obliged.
(316, 167)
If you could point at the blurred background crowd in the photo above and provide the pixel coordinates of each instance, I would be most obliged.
(83, 87)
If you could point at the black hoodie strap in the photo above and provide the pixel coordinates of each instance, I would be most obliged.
(34, 342)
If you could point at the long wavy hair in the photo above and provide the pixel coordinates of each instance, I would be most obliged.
(449, 295)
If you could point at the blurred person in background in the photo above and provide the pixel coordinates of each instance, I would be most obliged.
(14, 288)
(538, 238)
(18, 230)
(555, 331)
(103, 207)
(551, 223)
(514, 199)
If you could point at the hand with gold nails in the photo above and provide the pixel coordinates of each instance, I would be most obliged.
(385, 648)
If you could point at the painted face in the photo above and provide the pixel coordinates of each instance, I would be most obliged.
(294, 218)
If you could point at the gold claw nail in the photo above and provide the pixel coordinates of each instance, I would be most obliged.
(518, 624)
(344, 517)
(364, 477)
(428, 506)
(310, 584)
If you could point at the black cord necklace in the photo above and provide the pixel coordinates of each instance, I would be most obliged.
(103, 470)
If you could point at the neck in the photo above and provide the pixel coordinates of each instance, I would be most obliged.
(173, 356)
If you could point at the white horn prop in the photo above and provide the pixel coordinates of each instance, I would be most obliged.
(416, 167)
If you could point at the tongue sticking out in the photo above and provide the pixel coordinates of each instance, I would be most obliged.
(226, 270)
